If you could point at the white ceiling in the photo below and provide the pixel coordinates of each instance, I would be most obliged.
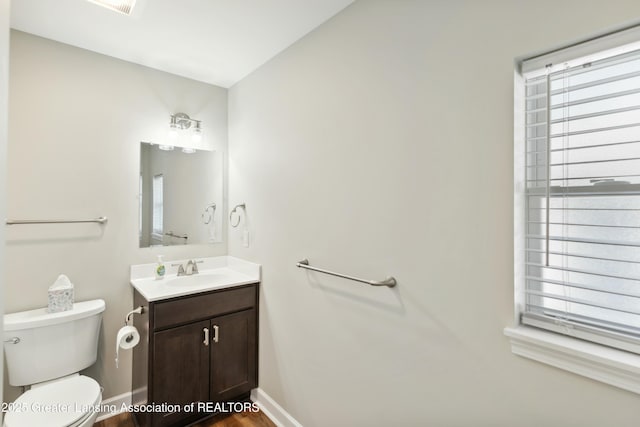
(214, 41)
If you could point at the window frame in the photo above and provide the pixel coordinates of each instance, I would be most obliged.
(157, 234)
(615, 367)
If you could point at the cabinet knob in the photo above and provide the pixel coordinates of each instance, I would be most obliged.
(215, 333)
(206, 336)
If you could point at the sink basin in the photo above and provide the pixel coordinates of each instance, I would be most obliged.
(195, 280)
(215, 273)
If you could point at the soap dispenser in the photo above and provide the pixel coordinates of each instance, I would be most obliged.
(160, 270)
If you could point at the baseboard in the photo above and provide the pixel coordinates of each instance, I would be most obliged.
(275, 412)
(113, 406)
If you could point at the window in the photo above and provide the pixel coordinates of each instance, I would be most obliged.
(158, 196)
(578, 209)
(583, 201)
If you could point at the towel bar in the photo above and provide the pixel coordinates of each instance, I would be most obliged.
(101, 220)
(389, 281)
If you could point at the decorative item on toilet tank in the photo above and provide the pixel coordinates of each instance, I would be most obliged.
(60, 295)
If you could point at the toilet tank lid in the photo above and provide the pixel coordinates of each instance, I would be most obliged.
(40, 317)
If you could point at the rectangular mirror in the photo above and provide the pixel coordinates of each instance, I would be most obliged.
(180, 196)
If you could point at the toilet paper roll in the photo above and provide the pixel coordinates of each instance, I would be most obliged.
(128, 337)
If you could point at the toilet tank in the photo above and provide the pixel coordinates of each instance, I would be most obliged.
(51, 345)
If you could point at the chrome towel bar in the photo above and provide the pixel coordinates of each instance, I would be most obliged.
(101, 220)
(389, 281)
(172, 234)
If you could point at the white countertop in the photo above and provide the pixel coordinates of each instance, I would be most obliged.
(213, 273)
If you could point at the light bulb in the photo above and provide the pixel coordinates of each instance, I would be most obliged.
(172, 133)
(196, 136)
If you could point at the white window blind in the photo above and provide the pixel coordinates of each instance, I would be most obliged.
(582, 258)
(158, 205)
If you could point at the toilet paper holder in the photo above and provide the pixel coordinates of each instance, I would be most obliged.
(138, 310)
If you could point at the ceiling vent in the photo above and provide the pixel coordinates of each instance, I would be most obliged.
(121, 6)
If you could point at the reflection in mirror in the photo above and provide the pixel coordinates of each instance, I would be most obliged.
(178, 197)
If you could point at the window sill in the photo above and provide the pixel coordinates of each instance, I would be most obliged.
(608, 365)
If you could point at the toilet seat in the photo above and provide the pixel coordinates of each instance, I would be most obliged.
(64, 403)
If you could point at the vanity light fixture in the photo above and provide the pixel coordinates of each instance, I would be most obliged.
(181, 122)
(166, 147)
(121, 6)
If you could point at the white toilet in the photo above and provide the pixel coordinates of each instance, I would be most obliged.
(46, 351)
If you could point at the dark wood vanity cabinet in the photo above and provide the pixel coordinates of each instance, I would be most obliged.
(198, 348)
(233, 368)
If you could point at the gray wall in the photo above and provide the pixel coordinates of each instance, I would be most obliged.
(382, 144)
(76, 122)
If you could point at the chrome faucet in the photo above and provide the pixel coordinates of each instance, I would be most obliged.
(180, 269)
(190, 269)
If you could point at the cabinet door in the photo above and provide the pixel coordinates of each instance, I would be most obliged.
(234, 350)
(180, 369)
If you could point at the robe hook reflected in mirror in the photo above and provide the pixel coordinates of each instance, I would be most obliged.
(244, 210)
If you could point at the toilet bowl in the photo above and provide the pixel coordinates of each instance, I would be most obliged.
(68, 402)
(47, 351)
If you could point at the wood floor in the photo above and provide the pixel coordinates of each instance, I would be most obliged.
(241, 419)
